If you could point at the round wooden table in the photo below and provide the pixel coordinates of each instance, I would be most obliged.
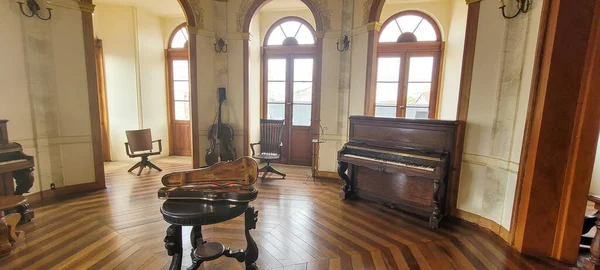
(197, 213)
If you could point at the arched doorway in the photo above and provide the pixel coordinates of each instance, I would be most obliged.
(288, 60)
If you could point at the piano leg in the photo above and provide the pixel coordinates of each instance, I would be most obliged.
(26, 213)
(436, 217)
(346, 191)
(24, 179)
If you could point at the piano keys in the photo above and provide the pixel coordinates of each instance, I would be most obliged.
(16, 171)
(402, 163)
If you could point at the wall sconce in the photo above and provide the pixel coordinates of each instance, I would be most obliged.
(220, 45)
(34, 8)
(345, 44)
(523, 7)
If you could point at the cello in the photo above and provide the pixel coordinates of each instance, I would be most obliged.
(221, 138)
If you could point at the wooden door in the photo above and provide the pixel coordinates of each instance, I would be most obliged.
(288, 92)
(102, 104)
(179, 104)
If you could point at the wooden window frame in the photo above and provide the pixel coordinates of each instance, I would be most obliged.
(172, 54)
(405, 51)
(291, 52)
(288, 52)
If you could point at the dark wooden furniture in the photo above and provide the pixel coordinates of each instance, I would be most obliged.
(209, 197)
(593, 262)
(8, 223)
(140, 144)
(198, 213)
(402, 163)
(14, 164)
(271, 132)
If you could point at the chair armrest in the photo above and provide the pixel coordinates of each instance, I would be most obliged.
(252, 147)
(127, 149)
(159, 145)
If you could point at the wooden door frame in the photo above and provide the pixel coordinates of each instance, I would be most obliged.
(561, 132)
(102, 102)
(289, 54)
(319, 35)
(172, 55)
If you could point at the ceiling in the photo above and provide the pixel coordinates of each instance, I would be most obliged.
(163, 8)
(168, 8)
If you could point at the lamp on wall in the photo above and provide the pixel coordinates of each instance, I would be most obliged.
(345, 44)
(522, 5)
(34, 8)
(220, 45)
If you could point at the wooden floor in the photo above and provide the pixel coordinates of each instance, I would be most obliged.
(300, 226)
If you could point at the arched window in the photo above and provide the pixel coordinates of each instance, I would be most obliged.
(288, 58)
(408, 65)
(179, 91)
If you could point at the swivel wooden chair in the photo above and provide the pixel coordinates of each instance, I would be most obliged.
(271, 132)
(140, 144)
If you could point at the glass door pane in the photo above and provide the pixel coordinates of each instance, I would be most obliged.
(181, 89)
(420, 76)
(386, 89)
(302, 92)
(276, 92)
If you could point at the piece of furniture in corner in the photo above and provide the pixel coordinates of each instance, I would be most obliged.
(271, 132)
(16, 172)
(9, 236)
(593, 262)
(140, 144)
(206, 196)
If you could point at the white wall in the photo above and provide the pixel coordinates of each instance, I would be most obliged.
(152, 78)
(135, 73)
(255, 78)
(44, 93)
(595, 187)
(452, 67)
(501, 82)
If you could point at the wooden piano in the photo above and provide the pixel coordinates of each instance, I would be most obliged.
(14, 164)
(402, 163)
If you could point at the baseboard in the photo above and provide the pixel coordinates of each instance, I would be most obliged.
(46, 196)
(484, 223)
(326, 174)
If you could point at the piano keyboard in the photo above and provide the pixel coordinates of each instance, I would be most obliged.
(12, 161)
(394, 153)
(413, 166)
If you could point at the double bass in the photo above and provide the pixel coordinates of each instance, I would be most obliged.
(221, 138)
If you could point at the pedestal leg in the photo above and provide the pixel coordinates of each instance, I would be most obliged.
(196, 240)
(251, 217)
(174, 246)
(594, 261)
(5, 245)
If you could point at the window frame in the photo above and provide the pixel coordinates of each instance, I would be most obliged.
(174, 54)
(288, 52)
(405, 50)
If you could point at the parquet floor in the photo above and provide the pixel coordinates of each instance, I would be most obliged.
(301, 226)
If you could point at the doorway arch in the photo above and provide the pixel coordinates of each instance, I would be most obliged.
(319, 31)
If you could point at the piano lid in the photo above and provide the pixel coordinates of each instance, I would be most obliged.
(403, 133)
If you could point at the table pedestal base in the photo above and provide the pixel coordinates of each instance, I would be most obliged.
(203, 251)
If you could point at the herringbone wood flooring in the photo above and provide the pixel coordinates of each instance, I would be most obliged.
(301, 226)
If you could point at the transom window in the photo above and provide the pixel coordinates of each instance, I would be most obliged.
(179, 39)
(407, 67)
(290, 33)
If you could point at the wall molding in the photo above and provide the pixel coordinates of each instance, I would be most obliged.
(484, 223)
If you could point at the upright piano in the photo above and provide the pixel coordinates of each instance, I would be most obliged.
(15, 168)
(402, 163)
